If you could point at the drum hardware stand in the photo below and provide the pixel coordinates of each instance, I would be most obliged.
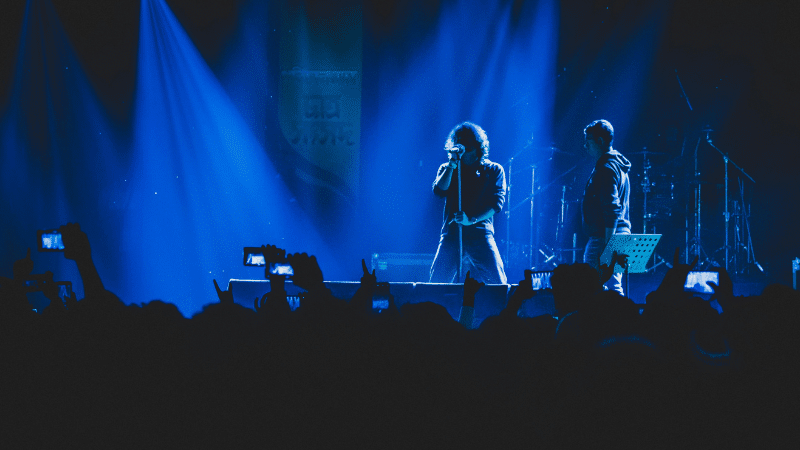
(726, 214)
(560, 221)
(508, 211)
(696, 247)
(657, 260)
(560, 225)
(742, 238)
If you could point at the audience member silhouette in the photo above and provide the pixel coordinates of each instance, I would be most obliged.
(97, 372)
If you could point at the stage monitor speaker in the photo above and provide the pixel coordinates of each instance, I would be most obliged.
(404, 267)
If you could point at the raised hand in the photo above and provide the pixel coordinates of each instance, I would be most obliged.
(607, 270)
(471, 287)
(675, 278)
(272, 254)
(723, 293)
(76, 248)
(226, 296)
(368, 280)
(362, 299)
(523, 292)
(76, 243)
(307, 273)
(23, 267)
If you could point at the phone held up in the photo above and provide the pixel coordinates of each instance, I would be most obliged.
(698, 282)
(254, 256)
(380, 301)
(49, 241)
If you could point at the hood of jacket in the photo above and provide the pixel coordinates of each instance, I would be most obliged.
(616, 158)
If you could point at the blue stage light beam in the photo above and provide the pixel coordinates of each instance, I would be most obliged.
(202, 186)
(490, 63)
(58, 148)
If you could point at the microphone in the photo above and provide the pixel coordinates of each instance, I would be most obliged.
(456, 151)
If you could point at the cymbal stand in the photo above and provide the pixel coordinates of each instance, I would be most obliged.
(657, 260)
(560, 233)
(742, 233)
(560, 221)
(726, 214)
(507, 213)
(696, 247)
(533, 229)
(645, 190)
(737, 215)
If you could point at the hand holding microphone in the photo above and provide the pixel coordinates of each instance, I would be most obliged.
(454, 155)
(455, 152)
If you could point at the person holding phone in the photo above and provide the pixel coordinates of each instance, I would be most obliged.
(482, 194)
(605, 208)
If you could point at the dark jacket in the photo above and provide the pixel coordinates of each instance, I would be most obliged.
(606, 198)
(484, 188)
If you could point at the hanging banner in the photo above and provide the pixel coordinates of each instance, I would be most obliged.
(320, 100)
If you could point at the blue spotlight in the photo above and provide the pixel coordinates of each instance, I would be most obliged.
(58, 148)
(491, 64)
(201, 185)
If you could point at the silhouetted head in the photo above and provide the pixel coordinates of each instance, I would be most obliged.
(573, 285)
(598, 137)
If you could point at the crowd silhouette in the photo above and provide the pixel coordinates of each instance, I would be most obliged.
(340, 372)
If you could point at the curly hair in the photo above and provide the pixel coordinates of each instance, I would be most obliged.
(468, 131)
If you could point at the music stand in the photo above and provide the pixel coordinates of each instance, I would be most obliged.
(638, 247)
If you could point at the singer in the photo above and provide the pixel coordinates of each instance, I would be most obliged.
(469, 231)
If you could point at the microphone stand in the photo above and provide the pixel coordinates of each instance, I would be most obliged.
(507, 212)
(460, 227)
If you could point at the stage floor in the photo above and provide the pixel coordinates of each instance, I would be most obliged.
(490, 300)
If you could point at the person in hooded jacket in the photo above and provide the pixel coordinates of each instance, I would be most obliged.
(606, 199)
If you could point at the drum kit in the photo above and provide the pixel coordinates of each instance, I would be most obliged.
(669, 196)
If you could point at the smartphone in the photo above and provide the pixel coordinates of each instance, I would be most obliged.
(541, 280)
(698, 282)
(380, 301)
(253, 256)
(50, 241)
(281, 268)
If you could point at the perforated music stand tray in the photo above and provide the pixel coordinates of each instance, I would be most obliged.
(638, 247)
